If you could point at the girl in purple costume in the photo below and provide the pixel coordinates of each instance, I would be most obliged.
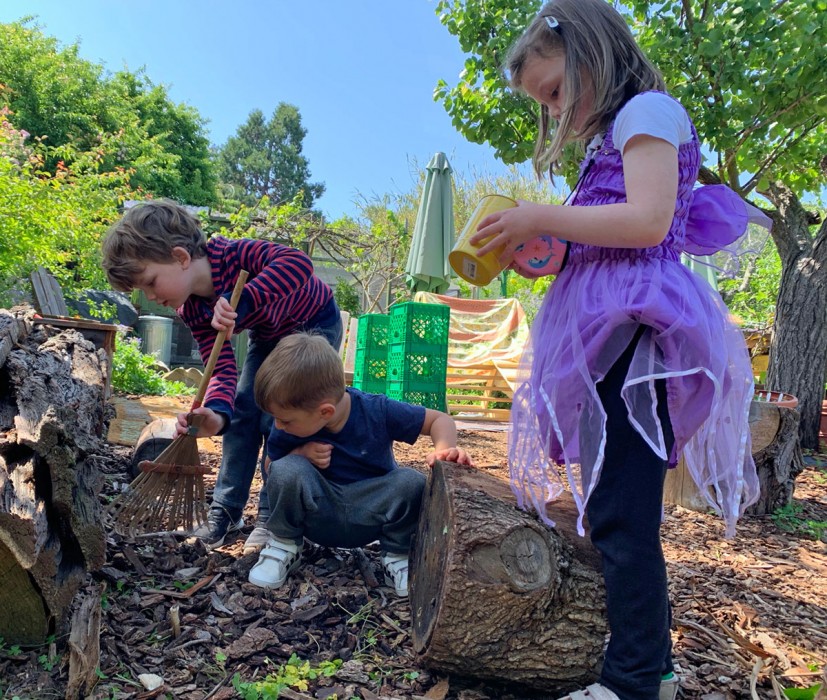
(633, 360)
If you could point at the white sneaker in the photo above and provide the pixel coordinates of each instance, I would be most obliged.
(669, 687)
(396, 572)
(256, 540)
(277, 561)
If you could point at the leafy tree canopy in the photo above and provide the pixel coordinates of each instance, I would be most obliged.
(264, 159)
(54, 220)
(73, 106)
(750, 73)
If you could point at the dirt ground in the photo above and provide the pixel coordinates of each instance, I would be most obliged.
(750, 614)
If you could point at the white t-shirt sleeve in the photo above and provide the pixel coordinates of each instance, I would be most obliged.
(654, 114)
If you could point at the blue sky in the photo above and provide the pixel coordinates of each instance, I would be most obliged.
(362, 74)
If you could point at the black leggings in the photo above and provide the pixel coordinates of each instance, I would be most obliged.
(624, 513)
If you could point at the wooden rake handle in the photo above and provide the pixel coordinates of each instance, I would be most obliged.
(219, 342)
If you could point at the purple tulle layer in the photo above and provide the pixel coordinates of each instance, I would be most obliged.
(588, 318)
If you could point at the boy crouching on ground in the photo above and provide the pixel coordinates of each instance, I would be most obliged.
(332, 475)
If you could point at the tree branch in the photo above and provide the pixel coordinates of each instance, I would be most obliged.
(768, 120)
(708, 177)
(774, 155)
(793, 219)
(687, 12)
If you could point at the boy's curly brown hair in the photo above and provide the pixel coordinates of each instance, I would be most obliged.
(147, 233)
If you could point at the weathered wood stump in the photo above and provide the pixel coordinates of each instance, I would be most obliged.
(153, 440)
(495, 594)
(51, 419)
(777, 455)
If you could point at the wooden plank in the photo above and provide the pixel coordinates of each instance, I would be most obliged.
(482, 385)
(129, 409)
(124, 432)
(461, 368)
(345, 325)
(484, 399)
(350, 348)
(48, 293)
(479, 413)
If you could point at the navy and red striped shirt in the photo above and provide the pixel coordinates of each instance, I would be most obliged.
(282, 293)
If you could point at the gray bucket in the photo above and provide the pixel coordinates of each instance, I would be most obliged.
(155, 333)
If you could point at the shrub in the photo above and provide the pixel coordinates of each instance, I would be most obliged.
(133, 372)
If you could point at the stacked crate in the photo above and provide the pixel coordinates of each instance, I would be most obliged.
(370, 368)
(418, 353)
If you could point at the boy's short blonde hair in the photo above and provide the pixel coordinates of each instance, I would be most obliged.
(301, 372)
(147, 233)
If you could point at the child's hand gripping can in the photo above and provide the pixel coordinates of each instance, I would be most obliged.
(473, 268)
(544, 255)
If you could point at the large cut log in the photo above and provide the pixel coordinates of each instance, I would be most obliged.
(51, 419)
(495, 594)
(777, 455)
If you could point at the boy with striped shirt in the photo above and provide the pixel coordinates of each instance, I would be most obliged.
(159, 248)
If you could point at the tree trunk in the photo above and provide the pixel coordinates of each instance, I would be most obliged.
(777, 455)
(51, 419)
(798, 353)
(496, 594)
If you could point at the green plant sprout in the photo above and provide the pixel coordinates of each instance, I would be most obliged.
(803, 693)
(294, 674)
(788, 518)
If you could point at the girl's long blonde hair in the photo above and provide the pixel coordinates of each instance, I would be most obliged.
(597, 43)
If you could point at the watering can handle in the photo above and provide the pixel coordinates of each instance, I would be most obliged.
(219, 343)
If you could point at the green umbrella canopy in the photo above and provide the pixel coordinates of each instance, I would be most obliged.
(427, 268)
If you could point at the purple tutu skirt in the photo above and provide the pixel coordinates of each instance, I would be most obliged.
(588, 318)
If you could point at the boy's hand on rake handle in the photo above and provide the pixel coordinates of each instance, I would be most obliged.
(224, 316)
(200, 422)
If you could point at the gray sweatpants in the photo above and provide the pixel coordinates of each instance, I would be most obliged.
(303, 503)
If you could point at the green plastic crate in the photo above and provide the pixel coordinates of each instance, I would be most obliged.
(370, 374)
(373, 331)
(418, 362)
(370, 364)
(419, 393)
(414, 324)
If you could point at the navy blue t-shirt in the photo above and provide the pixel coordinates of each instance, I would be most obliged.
(363, 448)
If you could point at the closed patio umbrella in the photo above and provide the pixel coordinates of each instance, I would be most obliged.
(427, 268)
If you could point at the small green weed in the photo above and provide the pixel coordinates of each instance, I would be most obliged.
(788, 518)
(13, 650)
(802, 693)
(47, 662)
(820, 478)
(294, 674)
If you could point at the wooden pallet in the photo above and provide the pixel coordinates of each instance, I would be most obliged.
(478, 387)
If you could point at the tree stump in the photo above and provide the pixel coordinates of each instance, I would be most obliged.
(496, 594)
(51, 419)
(776, 450)
(777, 455)
(153, 440)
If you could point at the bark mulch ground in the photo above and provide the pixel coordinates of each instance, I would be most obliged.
(750, 614)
